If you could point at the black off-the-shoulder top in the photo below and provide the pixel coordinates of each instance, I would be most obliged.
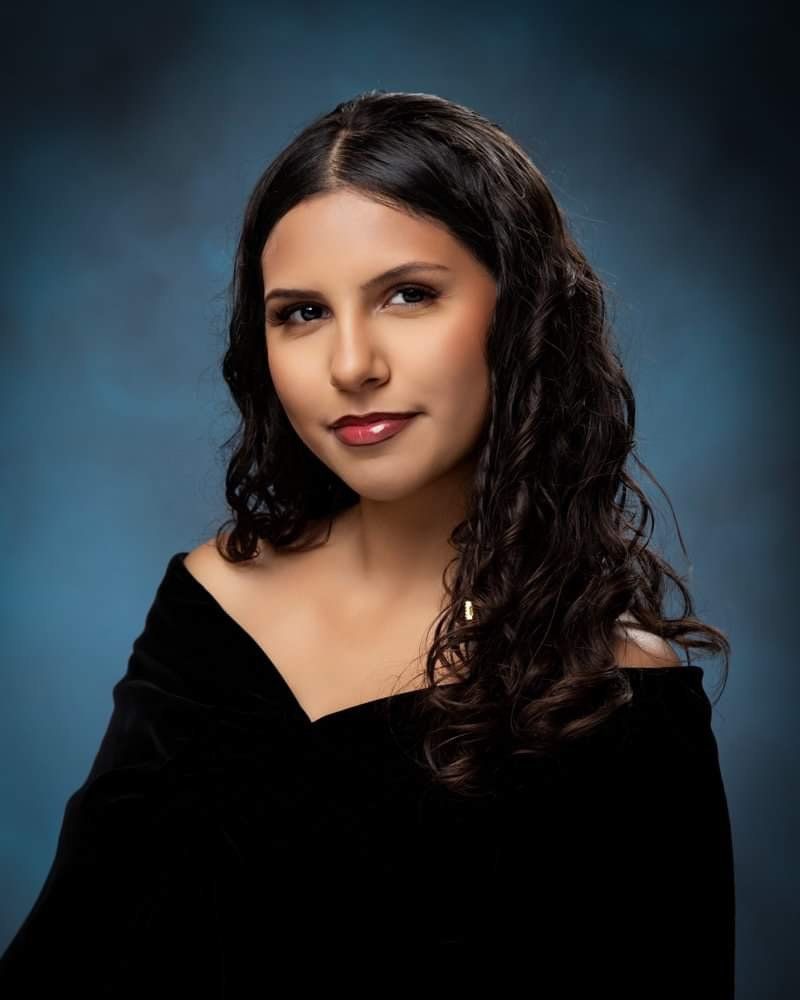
(225, 845)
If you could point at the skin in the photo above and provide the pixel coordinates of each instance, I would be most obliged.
(350, 351)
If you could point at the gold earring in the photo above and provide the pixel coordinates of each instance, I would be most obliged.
(468, 612)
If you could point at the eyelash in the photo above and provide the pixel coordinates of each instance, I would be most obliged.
(282, 316)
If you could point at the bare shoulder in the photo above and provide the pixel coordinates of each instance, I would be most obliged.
(636, 647)
(207, 564)
(205, 553)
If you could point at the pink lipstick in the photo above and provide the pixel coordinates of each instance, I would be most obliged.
(379, 430)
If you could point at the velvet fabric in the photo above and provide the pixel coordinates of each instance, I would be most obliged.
(223, 844)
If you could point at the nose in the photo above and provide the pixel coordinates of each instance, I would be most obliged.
(355, 359)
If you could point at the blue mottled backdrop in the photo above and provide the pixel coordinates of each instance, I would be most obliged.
(132, 136)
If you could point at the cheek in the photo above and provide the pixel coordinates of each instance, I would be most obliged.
(290, 385)
(457, 375)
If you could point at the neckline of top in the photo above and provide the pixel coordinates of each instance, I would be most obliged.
(177, 565)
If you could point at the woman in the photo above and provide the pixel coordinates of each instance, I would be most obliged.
(420, 703)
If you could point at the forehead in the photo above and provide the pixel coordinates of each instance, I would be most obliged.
(337, 227)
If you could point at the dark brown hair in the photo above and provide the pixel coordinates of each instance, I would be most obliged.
(551, 551)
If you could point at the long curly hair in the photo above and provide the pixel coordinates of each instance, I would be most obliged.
(551, 551)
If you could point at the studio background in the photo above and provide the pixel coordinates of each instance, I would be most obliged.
(132, 140)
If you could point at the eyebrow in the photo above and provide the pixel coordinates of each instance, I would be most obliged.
(393, 272)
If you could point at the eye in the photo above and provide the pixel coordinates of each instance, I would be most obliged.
(414, 289)
(282, 316)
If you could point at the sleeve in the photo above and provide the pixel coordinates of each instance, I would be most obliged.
(631, 889)
(128, 896)
(674, 899)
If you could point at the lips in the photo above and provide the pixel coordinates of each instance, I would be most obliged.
(370, 418)
(361, 433)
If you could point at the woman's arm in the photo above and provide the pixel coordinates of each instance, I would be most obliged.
(129, 889)
(618, 872)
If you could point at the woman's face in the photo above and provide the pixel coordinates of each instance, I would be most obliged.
(411, 342)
